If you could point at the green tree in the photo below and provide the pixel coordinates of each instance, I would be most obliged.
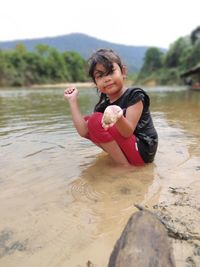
(35, 72)
(195, 35)
(152, 63)
(3, 68)
(76, 66)
(56, 66)
(17, 65)
(193, 58)
(152, 60)
(42, 49)
(173, 57)
(40, 63)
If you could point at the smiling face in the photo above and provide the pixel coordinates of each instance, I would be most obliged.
(110, 82)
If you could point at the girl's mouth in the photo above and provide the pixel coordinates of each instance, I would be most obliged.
(109, 86)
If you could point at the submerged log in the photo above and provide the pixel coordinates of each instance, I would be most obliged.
(143, 243)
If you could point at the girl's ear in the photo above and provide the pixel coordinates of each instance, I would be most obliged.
(124, 71)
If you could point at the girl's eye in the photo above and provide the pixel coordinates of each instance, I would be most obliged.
(113, 70)
(99, 75)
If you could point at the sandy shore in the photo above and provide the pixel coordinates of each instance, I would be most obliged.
(63, 85)
(179, 210)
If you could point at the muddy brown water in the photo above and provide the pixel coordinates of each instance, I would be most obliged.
(62, 200)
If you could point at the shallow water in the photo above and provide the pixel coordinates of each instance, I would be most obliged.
(62, 200)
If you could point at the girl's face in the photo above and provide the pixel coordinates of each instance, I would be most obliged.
(112, 83)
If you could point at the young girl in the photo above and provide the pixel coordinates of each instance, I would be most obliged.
(121, 123)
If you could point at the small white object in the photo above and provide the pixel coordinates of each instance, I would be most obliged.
(111, 115)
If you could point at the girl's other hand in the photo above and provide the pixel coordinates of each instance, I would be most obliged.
(70, 93)
(111, 115)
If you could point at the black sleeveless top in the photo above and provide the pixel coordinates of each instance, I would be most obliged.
(145, 132)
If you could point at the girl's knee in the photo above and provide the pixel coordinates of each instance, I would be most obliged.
(97, 133)
(94, 122)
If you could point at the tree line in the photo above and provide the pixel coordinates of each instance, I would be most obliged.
(166, 68)
(44, 65)
(19, 67)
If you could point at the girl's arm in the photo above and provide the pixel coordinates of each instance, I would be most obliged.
(70, 94)
(126, 125)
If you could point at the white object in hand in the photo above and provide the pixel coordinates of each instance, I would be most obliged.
(111, 115)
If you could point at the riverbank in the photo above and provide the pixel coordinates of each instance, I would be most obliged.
(64, 85)
(179, 210)
(76, 84)
(181, 216)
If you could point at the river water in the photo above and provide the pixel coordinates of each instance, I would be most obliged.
(63, 202)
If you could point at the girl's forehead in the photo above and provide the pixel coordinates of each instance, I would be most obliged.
(99, 67)
(102, 67)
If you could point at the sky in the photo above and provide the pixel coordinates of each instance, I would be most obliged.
(141, 23)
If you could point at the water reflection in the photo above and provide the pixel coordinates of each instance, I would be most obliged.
(102, 199)
(60, 195)
(110, 191)
(180, 107)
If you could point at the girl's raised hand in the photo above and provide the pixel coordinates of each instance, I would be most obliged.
(70, 93)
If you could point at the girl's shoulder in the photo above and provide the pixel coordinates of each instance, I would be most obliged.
(136, 94)
(131, 90)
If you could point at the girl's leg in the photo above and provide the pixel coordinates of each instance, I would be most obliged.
(122, 150)
(104, 140)
(115, 152)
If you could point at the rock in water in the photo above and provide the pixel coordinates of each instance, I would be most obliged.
(143, 243)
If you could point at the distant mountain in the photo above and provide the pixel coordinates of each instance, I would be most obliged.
(132, 56)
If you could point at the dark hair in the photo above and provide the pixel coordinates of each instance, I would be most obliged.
(105, 57)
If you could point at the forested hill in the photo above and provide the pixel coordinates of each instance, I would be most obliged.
(132, 56)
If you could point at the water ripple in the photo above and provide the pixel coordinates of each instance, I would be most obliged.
(39, 151)
(82, 191)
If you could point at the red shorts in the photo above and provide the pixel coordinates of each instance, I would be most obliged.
(97, 134)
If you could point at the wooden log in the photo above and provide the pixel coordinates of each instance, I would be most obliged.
(143, 243)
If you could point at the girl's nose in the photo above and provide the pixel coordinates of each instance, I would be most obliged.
(107, 77)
